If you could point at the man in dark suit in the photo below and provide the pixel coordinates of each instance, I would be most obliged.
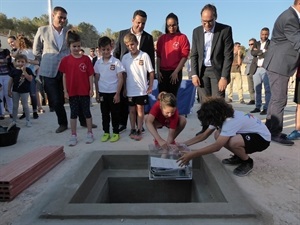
(281, 62)
(259, 73)
(146, 44)
(211, 55)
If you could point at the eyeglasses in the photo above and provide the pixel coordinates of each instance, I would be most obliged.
(208, 21)
(171, 25)
(251, 44)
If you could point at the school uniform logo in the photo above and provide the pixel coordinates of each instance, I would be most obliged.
(112, 67)
(82, 67)
(141, 62)
(176, 45)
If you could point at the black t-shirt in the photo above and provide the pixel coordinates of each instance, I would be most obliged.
(20, 85)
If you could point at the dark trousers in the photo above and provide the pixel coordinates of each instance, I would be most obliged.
(54, 90)
(209, 85)
(165, 84)
(124, 109)
(278, 101)
(109, 110)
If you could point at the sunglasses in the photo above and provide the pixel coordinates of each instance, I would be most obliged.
(251, 44)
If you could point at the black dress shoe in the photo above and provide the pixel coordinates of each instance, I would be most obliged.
(61, 128)
(256, 110)
(264, 112)
(281, 140)
(251, 102)
(22, 116)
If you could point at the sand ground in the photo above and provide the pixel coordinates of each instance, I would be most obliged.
(272, 188)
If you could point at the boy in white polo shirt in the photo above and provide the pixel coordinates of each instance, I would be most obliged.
(108, 83)
(137, 64)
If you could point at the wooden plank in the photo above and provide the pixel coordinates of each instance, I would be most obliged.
(26, 162)
(15, 190)
(16, 177)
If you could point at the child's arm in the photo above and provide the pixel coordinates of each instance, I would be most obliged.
(119, 88)
(187, 156)
(66, 95)
(91, 85)
(150, 126)
(124, 84)
(25, 74)
(96, 80)
(151, 78)
(201, 137)
(10, 83)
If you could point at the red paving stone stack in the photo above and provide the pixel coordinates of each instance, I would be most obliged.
(22, 172)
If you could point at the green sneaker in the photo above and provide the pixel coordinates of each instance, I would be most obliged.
(115, 137)
(105, 137)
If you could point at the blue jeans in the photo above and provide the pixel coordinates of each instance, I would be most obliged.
(260, 77)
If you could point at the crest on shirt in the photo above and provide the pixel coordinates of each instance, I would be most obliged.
(82, 67)
(112, 67)
(176, 45)
(141, 62)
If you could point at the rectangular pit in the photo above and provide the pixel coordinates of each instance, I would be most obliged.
(116, 184)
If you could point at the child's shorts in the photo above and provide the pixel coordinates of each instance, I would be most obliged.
(254, 143)
(138, 100)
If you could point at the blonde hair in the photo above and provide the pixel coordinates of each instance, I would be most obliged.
(130, 38)
(167, 99)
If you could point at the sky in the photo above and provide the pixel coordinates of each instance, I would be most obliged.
(246, 17)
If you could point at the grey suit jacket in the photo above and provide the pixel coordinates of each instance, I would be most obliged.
(221, 51)
(282, 56)
(46, 50)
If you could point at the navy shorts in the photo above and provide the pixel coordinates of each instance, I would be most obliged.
(80, 103)
(254, 143)
(138, 100)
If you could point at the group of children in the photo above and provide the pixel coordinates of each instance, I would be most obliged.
(241, 133)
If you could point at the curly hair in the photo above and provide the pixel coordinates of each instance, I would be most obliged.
(214, 111)
(24, 42)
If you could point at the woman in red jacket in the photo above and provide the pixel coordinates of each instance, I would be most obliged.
(173, 49)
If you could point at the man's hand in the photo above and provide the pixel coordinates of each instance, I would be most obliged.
(196, 81)
(222, 84)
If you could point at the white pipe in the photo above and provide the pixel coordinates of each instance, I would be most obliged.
(50, 11)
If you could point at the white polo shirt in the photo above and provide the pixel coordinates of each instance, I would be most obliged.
(108, 81)
(136, 69)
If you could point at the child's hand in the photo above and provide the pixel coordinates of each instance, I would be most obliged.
(66, 95)
(97, 98)
(185, 158)
(149, 90)
(10, 93)
(116, 98)
(91, 93)
(163, 144)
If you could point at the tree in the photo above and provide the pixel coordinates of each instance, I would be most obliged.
(88, 33)
(156, 34)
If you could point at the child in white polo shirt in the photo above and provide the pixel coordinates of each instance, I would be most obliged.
(108, 83)
(137, 64)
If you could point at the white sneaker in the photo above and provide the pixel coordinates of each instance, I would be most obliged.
(73, 140)
(28, 123)
(89, 138)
